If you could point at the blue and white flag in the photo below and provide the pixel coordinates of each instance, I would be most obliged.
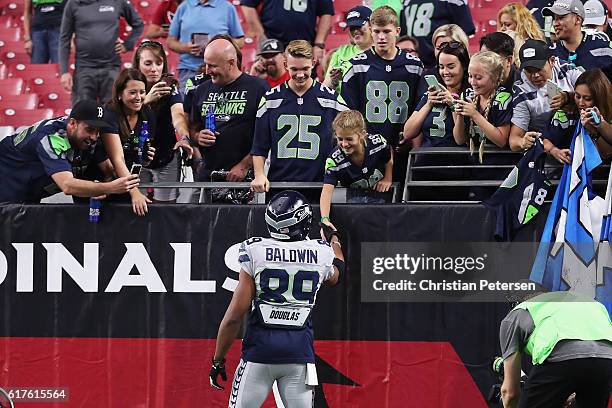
(568, 255)
(604, 252)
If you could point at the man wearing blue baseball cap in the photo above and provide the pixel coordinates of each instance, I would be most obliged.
(360, 37)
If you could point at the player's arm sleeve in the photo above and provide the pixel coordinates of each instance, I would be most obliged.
(262, 139)
(514, 332)
(245, 258)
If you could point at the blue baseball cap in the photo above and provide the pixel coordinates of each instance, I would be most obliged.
(358, 16)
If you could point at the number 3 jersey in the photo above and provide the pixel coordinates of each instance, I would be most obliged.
(287, 278)
(383, 90)
(297, 130)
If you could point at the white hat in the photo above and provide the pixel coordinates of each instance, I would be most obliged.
(594, 13)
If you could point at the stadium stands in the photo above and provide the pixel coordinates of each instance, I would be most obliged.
(23, 117)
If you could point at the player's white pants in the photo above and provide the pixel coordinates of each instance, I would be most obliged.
(253, 382)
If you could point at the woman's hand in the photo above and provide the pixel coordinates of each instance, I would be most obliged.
(586, 117)
(382, 186)
(529, 139)
(139, 203)
(435, 97)
(184, 145)
(151, 154)
(158, 91)
(563, 156)
(466, 109)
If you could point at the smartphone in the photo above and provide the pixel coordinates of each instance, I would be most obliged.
(136, 169)
(552, 89)
(201, 40)
(170, 80)
(432, 82)
(596, 118)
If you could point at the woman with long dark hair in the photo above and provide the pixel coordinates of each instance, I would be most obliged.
(591, 95)
(171, 131)
(432, 118)
(127, 115)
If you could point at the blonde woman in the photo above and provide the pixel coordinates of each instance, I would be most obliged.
(484, 112)
(516, 18)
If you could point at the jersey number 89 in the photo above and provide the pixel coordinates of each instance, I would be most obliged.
(378, 110)
(277, 285)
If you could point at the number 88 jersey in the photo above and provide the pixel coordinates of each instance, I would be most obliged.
(287, 278)
(384, 90)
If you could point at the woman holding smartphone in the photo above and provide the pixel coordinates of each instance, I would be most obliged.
(592, 106)
(171, 132)
(484, 112)
(127, 115)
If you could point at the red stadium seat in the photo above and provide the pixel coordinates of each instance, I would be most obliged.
(56, 99)
(61, 112)
(342, 6)
(249, 55)
(11, 45)
(14, 57)
(18, 118)
(336, 40)
(28, 71)
(10, 34)
(13, 8)
(3, 71)
(11, 86)
(7, 21)
(18, 102)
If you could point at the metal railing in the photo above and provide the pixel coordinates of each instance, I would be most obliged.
(260, 198)
(409, 181)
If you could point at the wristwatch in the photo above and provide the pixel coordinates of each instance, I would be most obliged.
(320, 45)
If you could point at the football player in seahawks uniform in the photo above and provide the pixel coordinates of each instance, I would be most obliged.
(278, 285)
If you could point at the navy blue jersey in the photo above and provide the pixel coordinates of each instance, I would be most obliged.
(190, 85)
(420, 18)
(595, 51)
(500, 112)
(536, 7)
(521, 195)
(438, 126)
(129, 143)
(235, 107)
(561, 129)
(340, 168)
(164, 138)
(383, 90)
(29, 158)
(297, 131)
(288, 20)
(287, 277)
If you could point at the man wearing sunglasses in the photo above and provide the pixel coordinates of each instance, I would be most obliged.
(584, 50)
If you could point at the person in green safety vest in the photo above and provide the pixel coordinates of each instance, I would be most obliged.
(569, 339)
